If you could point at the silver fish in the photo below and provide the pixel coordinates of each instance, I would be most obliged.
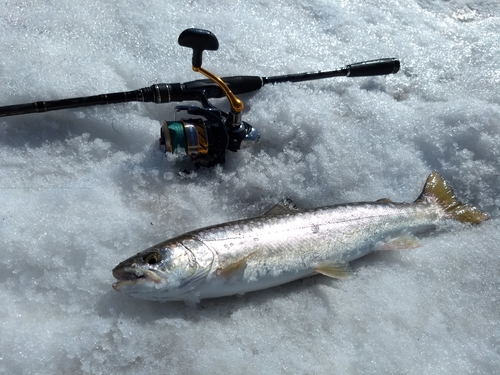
(283, 245)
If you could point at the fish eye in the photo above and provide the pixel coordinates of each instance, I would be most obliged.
(152, 258)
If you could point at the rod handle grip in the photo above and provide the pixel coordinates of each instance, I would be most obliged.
(373, 68)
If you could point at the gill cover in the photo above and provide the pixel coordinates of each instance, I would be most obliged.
(165, 271)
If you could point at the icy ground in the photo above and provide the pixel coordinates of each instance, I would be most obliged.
(83, 189)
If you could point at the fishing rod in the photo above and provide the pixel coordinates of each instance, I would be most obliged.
(207, 137)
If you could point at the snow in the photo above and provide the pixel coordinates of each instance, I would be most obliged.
(83, 189)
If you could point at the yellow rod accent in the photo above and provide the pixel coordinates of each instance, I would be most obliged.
(236, 104)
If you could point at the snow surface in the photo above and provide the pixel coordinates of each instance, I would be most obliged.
(83, 189)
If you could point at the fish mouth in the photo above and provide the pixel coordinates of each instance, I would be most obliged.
(132, 276)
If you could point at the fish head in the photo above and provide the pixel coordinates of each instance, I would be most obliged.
(162, 272)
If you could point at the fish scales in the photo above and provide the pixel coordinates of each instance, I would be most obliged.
(342, 232)
(284, 244)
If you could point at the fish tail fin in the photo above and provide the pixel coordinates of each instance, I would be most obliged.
(438, 191)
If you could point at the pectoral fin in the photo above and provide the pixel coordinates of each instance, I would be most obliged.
(405, 241)
(335, 270)
(232, 269)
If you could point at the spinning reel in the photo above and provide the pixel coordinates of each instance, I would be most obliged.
(206, 141)
(207, 135)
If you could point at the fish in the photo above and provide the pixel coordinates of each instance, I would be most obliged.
(285, 244)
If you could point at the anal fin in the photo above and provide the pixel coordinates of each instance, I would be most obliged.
(335, 270)
(383, 200)
(402, 242)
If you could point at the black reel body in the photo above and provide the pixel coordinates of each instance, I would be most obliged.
(206, 138)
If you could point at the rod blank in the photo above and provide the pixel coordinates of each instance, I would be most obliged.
(204, 89)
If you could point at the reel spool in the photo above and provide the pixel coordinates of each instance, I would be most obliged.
(204, 139)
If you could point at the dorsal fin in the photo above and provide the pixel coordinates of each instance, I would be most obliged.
(284, 207)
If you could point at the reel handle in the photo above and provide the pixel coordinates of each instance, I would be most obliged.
(199, 40)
